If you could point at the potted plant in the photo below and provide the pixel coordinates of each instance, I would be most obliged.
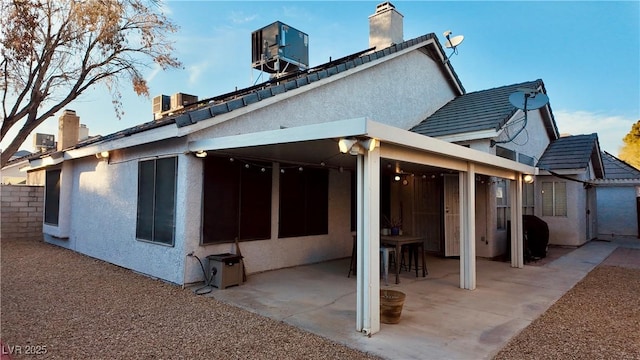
(394, 224)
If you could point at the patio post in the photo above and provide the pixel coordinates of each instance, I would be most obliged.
(517, 241)
(468, 228)
(368, 242)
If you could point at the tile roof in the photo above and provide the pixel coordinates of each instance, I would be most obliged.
(225, 103)
(615, 168)
(476, 111)
(569, 152)
(237, 99)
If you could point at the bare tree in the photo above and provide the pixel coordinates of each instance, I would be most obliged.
(53, 51)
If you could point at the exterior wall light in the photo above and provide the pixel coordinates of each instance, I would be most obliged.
(201, 154)
(528, 179)
(369, 144)
(102, 155)
(355, 147)
(345, 145)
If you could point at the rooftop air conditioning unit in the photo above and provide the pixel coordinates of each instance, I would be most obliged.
(161, 103)
(279, 48)
(180, 100)
(43, 142)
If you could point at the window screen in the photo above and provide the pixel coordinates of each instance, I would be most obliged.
(554, 198)
(505, 153)
(304, 202)
(237, 200)
(156, 200)
(52, 197)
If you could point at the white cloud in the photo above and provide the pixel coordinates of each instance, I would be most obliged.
(195, 71)
(610, 128)
(155, 71)
(239, 17)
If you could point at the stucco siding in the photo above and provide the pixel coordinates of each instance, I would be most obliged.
(275, 253)
(617, 213)
(567, 230)
(420, 91)
(103, 211)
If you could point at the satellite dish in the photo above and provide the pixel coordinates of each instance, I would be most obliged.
(453, 42)
(528, 99)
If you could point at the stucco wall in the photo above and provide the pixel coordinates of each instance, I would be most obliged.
(21, 212)
(567, 230)
(103, 209)
(274, 253)
(99, 198)
(617, 213)
(413, 80)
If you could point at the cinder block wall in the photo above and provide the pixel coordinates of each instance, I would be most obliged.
(22, 208)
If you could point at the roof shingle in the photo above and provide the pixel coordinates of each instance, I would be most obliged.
(615, 168)
(569, 152)
(476, 111)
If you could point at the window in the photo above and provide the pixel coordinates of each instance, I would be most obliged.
(237, 200)
(528, 200)
(156, 200)
(52, 197)
(554, 198)
(304, 202)
(505, 153)
(502, 203)
(524, 159)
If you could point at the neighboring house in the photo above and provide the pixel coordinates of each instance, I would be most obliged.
(618, 199)
(11, 174)
(15, 172)
(264, 165)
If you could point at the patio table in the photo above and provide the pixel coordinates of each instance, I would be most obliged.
(398, 241)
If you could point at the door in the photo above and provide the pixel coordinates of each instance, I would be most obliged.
(428, 210)
(451, 216)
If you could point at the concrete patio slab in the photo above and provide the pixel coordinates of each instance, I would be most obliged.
(439, 320)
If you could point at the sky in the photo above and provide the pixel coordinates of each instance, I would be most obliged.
(586, 52)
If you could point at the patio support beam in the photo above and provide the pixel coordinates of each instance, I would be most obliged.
(517, 240)
(468, 228)
(368, 242)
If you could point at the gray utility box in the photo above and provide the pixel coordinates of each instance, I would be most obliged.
(225, 270)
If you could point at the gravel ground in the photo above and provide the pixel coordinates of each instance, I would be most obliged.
(76, 307)
(598, 319)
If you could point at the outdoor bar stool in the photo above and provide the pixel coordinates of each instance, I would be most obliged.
(384, 252)
(415, 250)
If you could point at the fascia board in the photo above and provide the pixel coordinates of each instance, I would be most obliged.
(43, 162)
(487, 163)
(334, 129)
(386, 133)
(470, 136)
(578, 171)
(145, 137)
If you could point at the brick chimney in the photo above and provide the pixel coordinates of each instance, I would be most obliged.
(385, 26)
(68, 125)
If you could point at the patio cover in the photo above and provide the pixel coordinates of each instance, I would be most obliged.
(397, 144)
